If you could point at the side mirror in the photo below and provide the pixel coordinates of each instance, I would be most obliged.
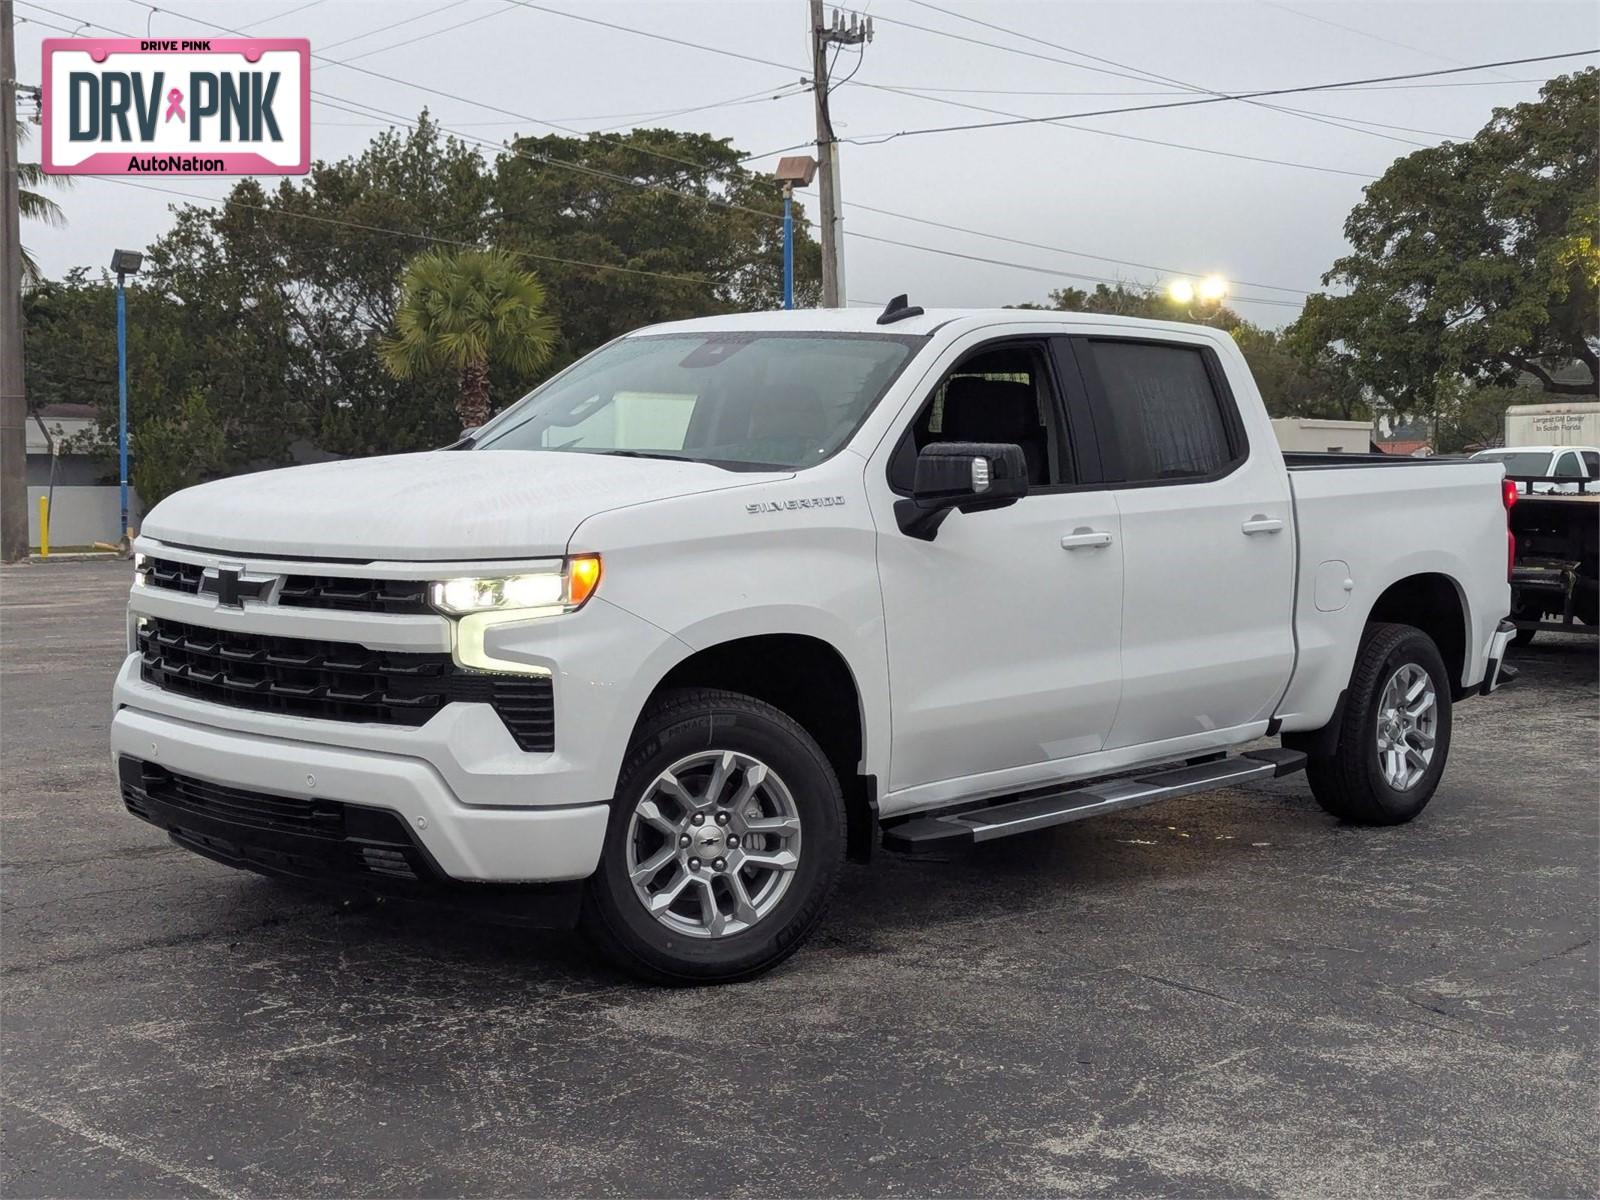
(970, 476)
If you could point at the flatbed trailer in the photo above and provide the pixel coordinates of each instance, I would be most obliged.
(1555, 579)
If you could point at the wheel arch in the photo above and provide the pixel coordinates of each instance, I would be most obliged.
(1434, 603)
(808, 678)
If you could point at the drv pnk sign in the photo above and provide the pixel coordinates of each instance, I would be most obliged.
(164, 106)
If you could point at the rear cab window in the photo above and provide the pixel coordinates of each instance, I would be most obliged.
(1163, 411)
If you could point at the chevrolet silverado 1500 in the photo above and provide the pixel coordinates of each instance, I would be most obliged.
(732, 600)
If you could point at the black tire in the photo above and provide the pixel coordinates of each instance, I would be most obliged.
(1350, 783)
(1524, 636)
(680, 724)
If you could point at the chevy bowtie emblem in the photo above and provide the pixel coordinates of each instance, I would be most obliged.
(232, 588)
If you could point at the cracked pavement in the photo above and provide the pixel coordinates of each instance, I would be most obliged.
(1225, 995)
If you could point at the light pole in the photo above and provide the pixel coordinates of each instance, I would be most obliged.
(124, 263)
(797, 170)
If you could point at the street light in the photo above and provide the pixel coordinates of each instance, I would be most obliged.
(793, 171)
(124, 263)
(1210, 292)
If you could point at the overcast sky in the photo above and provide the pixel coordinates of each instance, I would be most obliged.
(1074, 191)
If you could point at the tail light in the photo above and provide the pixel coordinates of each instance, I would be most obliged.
(1508, 497)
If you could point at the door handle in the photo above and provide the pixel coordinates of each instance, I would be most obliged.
(1261, 523)
(1085, 539)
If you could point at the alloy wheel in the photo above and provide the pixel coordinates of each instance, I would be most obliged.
(1408, 725)
(713, 844)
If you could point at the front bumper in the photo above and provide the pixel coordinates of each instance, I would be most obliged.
(498, 844)
(330, 845)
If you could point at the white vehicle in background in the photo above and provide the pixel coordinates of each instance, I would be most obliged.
(1563, 466)
(730, 600)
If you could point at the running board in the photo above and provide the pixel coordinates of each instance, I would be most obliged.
(921, 835)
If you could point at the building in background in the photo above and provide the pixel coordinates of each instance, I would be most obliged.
(1323, 435)
(84, 508)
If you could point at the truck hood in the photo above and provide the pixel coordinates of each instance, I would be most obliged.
(438, 506)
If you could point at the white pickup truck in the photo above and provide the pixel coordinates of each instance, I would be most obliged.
(731, 600)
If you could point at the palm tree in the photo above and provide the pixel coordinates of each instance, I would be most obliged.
(34, 206)
(463, 310)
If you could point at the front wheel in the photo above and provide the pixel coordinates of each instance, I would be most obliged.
(1394, 736)
(725, 842)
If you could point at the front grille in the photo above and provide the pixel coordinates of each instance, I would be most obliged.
(173, 575)
(355, 595)
(336, 681)
(283, 833)
(308, 591)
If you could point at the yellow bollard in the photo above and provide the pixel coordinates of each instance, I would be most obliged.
(44, 527)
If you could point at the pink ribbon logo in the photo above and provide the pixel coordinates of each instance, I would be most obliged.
(175, 105)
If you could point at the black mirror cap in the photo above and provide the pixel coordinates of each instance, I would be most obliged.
(970, 476)
(958, 472)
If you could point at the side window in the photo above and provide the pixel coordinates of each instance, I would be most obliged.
(1567, 466)
(1161, 411)
(1591, 462)
(1003, 394)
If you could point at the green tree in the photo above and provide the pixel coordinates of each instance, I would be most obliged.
(181, 446)
(462, 310)
(272, 306)
(1127, 300)
(1296, 385)
(1476, 260)
(35, 205)
(672, 209)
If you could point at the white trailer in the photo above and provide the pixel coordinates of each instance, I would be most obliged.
(1565, 423)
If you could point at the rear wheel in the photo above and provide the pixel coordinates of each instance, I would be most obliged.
(1394, 735)
(725, 842)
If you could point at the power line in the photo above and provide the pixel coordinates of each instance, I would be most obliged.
(1122, 262)
(340, 103)
(1142, 74)
(716, 200)
(1402, 87)
(1043, 270)
(1014, 119)
(391, 27)
(407, 233)
(432, 33)
(1375, 37)
(736, 54)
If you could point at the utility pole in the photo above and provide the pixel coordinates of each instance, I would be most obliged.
(823, 35)
(13, 400)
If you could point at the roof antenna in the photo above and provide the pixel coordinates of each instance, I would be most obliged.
(899, 309)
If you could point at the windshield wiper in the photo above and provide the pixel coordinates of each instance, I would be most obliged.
(641, 454)
(726, 464)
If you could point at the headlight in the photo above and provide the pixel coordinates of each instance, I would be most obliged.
(557, 589)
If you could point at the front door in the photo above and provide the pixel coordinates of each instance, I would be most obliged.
(1003, 631)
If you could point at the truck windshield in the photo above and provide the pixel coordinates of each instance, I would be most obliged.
(1519, 462)
(738, 400)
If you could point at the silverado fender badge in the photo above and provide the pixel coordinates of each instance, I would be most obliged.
(771, 506)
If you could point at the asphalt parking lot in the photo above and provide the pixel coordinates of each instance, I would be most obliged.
(1225, 995)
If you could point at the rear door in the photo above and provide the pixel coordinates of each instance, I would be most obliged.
(1207, 540)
